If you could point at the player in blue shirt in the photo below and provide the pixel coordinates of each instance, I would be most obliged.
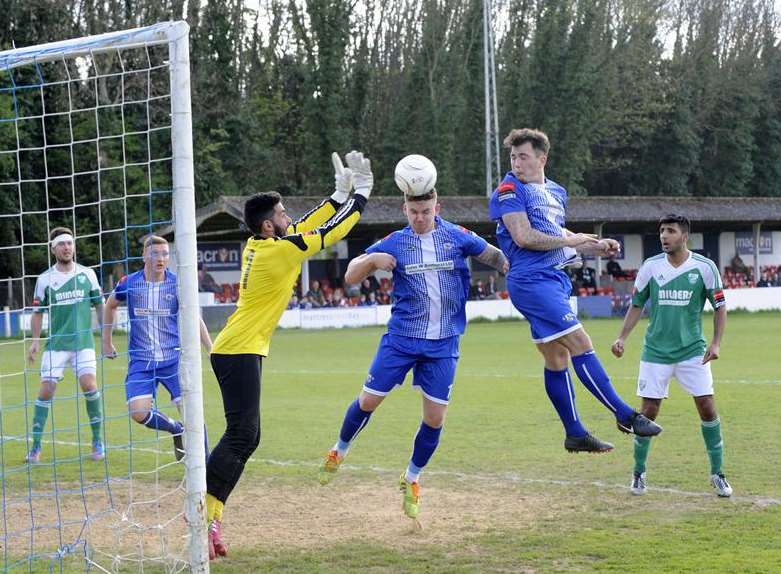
(153, 346)
(529, 211)
(431, 281)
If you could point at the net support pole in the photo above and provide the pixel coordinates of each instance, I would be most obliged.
(189, 309)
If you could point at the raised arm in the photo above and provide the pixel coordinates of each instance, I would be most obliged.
(323, 211)
(517, 223)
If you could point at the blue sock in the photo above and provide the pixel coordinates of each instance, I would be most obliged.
(426, 442)
(597, 381)
(354, 421)
(561, 393)
(158, 421)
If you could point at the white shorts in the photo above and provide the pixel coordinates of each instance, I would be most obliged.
(653, 382)
(53, 363)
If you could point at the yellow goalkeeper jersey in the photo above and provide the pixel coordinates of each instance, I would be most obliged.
(269, 270)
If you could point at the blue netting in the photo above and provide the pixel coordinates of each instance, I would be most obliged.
(85, 143)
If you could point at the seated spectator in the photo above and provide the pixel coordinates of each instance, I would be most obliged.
(293, 303)
(338, 299)
(586, 278)
(764, 281)
(490, 288)
(777, 281)
(206, 282)
(305, 303)
(383, 297)
(369, 300)
(315, 295)
(614, 268)
(352, 290)
(367, 287)
(738, 266)
(477, 291)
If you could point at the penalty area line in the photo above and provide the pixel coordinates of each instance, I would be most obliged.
(516, 478)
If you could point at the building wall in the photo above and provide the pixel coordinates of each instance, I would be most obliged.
(727, 251)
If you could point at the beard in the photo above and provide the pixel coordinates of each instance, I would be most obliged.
(64, 259)
(279, 230)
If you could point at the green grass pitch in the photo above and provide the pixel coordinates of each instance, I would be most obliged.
(500, 495)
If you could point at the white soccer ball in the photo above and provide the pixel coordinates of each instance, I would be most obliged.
(415, 175)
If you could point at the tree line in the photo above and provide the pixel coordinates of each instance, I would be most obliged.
(639, 97)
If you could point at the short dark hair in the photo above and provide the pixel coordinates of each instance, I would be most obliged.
(259, 208)
(425, 197)
(538, 139)
(59, 231)
(681, 220)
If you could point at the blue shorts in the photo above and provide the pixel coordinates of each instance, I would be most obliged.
(433, 364)
(143, 377)
(543, 298)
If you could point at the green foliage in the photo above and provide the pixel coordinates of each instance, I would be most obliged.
(644, 97)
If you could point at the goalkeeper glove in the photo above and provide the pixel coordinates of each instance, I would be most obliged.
(363, 178)
(343, 179)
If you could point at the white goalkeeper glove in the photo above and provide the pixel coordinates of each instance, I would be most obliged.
(363, 178)
(343, 179)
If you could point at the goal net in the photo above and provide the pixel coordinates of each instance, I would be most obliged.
(95, 136)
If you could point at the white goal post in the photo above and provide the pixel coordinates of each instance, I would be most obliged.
(175, 35)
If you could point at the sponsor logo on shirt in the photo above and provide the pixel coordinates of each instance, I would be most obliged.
(414, 268)
(152, 312)
(69, 296)
(675, 297)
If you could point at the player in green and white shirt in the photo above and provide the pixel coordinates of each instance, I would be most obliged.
(677, 282)
(68, 291)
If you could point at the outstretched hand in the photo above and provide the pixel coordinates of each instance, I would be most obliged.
(343, 179)
(361, 167)
(581, 239)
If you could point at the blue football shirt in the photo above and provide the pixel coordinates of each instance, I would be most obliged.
(152, 309)
(545, 205)
(431, 279)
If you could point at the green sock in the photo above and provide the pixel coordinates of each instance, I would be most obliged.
(711, 432)
(642, 446)
(94, 411)
(39, 420)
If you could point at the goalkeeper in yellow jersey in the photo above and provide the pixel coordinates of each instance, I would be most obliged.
(271, 263)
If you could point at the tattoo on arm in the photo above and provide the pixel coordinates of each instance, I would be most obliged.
(492, 257)
(517, 224)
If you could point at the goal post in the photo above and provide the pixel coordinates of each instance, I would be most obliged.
(106, 239)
